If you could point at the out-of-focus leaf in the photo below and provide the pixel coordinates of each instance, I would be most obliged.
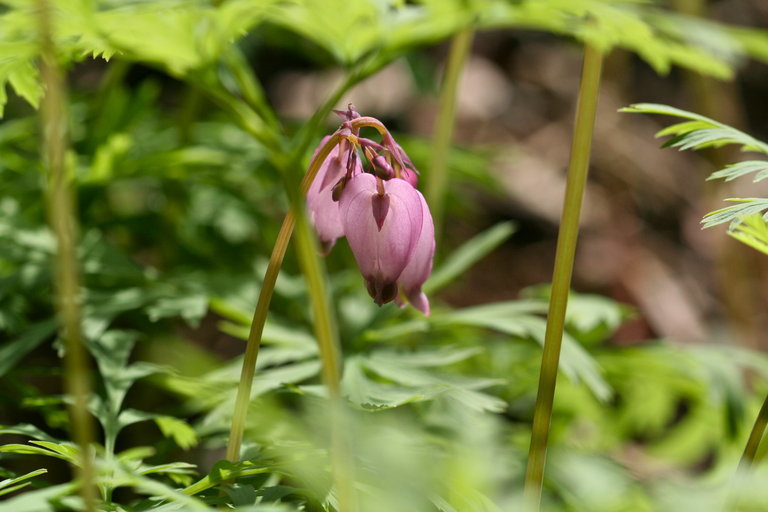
(56, 450)
(182, 434)
(467, 255)
(517, 319)
(407, 377)
(10, 485)
(183, 468)
(26, 429)
(590, 318)
(223, 471)
(39, 500)
(12, 352)
(753, 231)
(191, 308)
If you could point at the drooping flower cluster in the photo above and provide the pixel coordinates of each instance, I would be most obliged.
(373, 201)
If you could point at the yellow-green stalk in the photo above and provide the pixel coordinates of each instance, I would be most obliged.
(61, 213)
(561, 279)
(262, 308)
(438, 173)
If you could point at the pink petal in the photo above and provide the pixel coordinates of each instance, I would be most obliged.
(381, 253)
(419, 267)
(410, 176)
(323, 210)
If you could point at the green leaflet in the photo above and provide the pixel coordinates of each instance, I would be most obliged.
(10, 485)
(701, 132)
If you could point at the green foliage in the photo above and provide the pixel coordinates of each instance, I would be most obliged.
(189, 38)
(179, 205)
(753, 231)
(10, 485)
(746, 218)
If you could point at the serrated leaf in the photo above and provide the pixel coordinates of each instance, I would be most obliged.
(25, 81)
(746, 207)
(752, 231)
(703, 132)
(733, 171)
(182, 434)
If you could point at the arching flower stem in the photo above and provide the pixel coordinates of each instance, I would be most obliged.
(262, 308)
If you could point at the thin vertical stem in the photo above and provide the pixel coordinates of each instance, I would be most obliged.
(561, 279)
(330, 354)
(262, 308)
(61, 212)
(438, 173)
(755, 436)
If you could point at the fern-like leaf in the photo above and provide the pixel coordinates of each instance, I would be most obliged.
(739, 169)
(746, 219)
(699, 131)
(753, 231)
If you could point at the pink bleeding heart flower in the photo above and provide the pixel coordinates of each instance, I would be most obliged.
(383, 222)
(419, 267)
(323, 209)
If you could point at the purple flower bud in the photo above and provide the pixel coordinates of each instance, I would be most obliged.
(382, 221)
(323, 210)
(382, 167)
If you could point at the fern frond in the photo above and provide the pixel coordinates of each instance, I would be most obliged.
(747, 207)
(746, 219)
(752, 231)
(739, 169)
(699, 131)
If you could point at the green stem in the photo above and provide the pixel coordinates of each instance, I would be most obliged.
(330, 355)
(61, 211)
(750, 450)
(561, 279)
(324, 326)
(438, 173)
(262, 307)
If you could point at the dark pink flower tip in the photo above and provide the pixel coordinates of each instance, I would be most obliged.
(419, 267)
(323, 210)
(382, 221)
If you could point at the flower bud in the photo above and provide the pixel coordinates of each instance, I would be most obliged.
(410, 176)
